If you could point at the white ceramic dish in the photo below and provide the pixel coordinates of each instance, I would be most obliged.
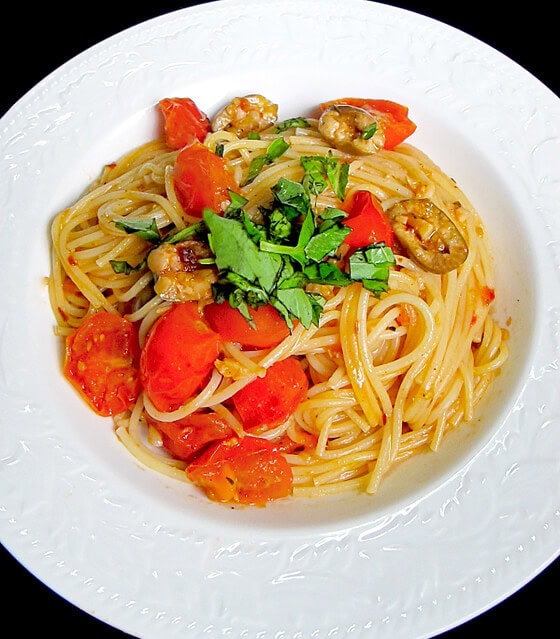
(468, 526)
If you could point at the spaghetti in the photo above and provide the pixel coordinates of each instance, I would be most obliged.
(389, 373)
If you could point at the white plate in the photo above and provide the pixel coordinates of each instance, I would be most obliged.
(449, 535)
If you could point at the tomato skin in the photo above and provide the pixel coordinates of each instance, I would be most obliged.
(183, 122)
(202, 180)
(397, 126)
(101, 361)
(188, 436)
(246, 471)
(367, 220)
(178, 356)
(270, 327)
(270, 400)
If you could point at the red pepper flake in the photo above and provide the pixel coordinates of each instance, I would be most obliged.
(488, 295)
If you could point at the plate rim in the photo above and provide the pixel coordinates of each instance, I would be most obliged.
(99, 49)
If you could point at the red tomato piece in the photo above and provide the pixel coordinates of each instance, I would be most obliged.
(368, 221)
(246, 471)
(270, 400)
(101, 361)
(186, 437)
(178, 356)
(397, 126)
(183, 122)
(270, 327)
(202, 180)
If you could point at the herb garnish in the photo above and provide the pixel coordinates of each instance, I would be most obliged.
(124, 268)
(321, 171)
(369, 131)
(146, 229)
(273, 260)
(273, 152)
(291, 123)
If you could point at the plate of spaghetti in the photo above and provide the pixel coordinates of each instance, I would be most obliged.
(289, 331)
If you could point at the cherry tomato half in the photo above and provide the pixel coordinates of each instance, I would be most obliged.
(202, 180)
(183, 122)
(178, 356)
(101, 361)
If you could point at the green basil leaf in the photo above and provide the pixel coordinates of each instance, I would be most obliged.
(332, 213)
(298, 304)
(337, 174)
(326, 242)
(291, 123)
(120, 266)
(236, 252)
(146, 229)
(255, 167)
(314, 180)
(326, 273)
(371, 266)
(277, 149)
(273, 152)
(237, 202)
(292, 194)
(369, 131)
(183, 234)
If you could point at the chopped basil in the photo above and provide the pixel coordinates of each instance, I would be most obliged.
(371, 266)
(321, 171)
(146, 229)
(273, 152)
(237, 202)
(271, 262)
(326, 242)
(337, 173)
(122, 267)
(369, 131)
(183, 234)
(236, 253)
(291, 123)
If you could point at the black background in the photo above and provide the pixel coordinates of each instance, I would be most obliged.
(37, 40)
